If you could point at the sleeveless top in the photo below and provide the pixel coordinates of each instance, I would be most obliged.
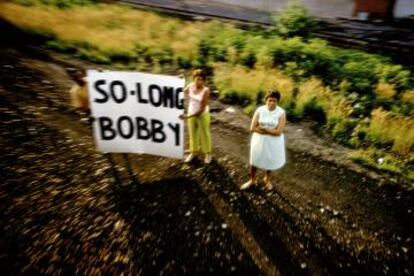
(268, 152)
(195, 99)
(269, 118)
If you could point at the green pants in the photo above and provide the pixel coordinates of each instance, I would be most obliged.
(199, 133)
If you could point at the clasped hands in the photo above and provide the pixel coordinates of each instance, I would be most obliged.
(267, 131)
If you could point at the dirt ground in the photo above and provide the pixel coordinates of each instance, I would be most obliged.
(66, 208)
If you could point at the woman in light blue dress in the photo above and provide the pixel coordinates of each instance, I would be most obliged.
(267, 146)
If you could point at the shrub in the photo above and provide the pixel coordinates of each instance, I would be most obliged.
(385, 91)
(408, 97)
(396, 75)
(343, 129)
(294, 20)
(249, 110)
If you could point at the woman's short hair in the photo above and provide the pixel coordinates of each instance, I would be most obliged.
(273, 94)
(198, 73)
(79, 76)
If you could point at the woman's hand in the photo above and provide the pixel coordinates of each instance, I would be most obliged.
(183, 117)
(275, 132)
(268, 131)
(260, 130)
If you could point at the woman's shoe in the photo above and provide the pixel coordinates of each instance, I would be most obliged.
(247, 185)
(207, 159)
(268, 184)
(189, 158)
(268, 187)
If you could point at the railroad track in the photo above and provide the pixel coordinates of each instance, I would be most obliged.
(205, 10)
(395, 40)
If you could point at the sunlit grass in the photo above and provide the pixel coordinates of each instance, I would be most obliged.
(386, 127)
(310, 92)
(108, 28)
(253, 83)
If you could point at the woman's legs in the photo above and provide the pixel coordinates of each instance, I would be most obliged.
(252, 180)
(267, 180)
(193, 137)
(267, 176)
(199, 136)
(193, 130)
(205, 136)
(253, 171)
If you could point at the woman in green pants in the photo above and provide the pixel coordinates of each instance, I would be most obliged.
(198, 117)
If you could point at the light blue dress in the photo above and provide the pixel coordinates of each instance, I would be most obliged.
(268, 152)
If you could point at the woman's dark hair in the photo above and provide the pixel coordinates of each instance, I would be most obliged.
(273, 94)
(79, 77)
(198, 73)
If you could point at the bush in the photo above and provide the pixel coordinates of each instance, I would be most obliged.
(294, 21)
(215, 40)
(286, 50)
(405, 105)
(396, 75)
(385, 91)
(315, 111)
(343, 129)
(92, 55)
(121, 56)
(61, 46)
(360, 76)
(250, 109)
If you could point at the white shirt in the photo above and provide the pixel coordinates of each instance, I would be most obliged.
(195, 99)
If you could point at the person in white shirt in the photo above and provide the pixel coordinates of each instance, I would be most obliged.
(198, 117)
(267, 146)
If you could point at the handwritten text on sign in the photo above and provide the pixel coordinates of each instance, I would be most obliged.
(137, 112)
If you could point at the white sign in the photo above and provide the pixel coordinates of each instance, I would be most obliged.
(137, 112)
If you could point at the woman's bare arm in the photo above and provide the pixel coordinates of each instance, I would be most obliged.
(280, 127)
(186, 93)
(187, 90)
(254, 126)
